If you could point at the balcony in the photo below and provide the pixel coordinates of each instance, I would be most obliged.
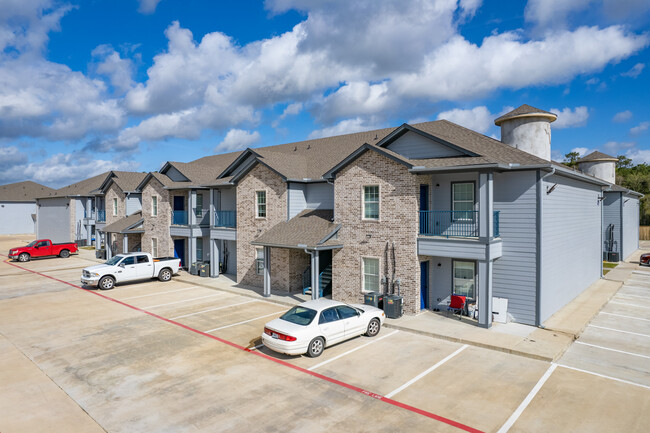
(225, 218)
(179, 217)
(457, 224)
(202, 216)
(101, 216)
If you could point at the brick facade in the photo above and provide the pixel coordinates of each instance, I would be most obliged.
(114, 192)
(397, 225)
(249, 227)
(157, 226)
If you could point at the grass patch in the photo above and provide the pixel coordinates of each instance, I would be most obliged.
(609, 265)
(87, 248)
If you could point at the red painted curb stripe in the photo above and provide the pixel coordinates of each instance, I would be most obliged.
(270, 358)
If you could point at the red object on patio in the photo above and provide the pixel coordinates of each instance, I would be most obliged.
(457, 305)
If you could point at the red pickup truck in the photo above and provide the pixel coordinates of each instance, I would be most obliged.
(42, 248)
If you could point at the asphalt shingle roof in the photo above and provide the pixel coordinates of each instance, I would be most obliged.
(128, 181)
(524, 110)
(306, 229)
(86, 187)
(597, 156)
(23, 191)
(123, 224)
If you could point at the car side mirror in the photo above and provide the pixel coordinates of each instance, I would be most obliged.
(121, 265)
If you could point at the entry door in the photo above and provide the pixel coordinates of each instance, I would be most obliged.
(179, 202)
(424, 285)
(179, 250)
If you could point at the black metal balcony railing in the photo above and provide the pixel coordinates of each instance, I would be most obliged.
(462, 224)
(225, 218)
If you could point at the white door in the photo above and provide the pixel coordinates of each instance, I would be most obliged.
(331, 326)
(129, 269)
(351, 320)
(144, 266)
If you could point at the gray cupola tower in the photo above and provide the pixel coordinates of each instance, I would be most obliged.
(599, 165)
(529, 129)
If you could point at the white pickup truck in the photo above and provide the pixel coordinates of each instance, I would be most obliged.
(129, 267)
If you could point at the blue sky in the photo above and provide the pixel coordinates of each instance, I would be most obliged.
(89, 86)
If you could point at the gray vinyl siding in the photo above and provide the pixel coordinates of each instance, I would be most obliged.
(16, 218)
(175, 175)
(439, 280)
(80, 228)
(227, 199)
(571, 244)
(133, 203)
(514, 274)
(415, 146)
(319, 195)
(630, 226)
(296, 199)
(53, 221)
(612, 215)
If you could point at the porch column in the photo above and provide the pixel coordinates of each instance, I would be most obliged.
(191, 250)
(191, 205)
(88, 234)
(267, 272)
(107, 245)
(485, 206)
(212, 208)
(125, 243)
(485, 293)
(214, 258)
(315, 283)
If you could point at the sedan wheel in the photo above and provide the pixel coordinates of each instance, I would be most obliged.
(316, 347)
(373, 328)
(106, 283)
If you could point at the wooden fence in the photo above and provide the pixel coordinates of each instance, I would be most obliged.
(644, 233)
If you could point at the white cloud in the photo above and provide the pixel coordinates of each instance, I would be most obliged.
(568, 118)
(148, 6)
(640, 128)
(552, 13)
(347, 126)
(356, 98)
(635, 71)
(622, 116)
(237, 139)
(617, 147)
(582, 151)
(478, 119)
(639, 156)
(118, 70)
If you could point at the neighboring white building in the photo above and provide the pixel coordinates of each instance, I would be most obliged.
(18, 207)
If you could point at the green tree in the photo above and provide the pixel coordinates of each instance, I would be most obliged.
(571, 159)
(623, 162)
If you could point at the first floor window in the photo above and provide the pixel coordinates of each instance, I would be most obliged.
(371, 202)
(154, 247)
(260, 204)
(463, 201)
(154, 205)
(259, 261)
(464, 279)
(370, 274)
(114, 207)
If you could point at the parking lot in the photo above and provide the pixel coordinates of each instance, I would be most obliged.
(181, 357)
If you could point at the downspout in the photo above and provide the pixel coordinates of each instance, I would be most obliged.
(540, 198)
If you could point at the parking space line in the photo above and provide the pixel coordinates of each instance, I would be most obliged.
(331, 380)
(623, 315)
(213, 309)
(631, 286)
(425, 372)
(618, 330)
(184, 300)
(633, 296)
(159, 293)
(613, 350)
(629, 305)
(524, 404)
(604, 376)
(353, 350)
(245, 321)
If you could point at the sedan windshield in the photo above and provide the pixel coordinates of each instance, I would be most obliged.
(299, 315)
(113, 260)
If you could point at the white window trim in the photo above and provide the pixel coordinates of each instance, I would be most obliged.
(453, 275)
(114, 207)
(154, 250)
(363, 274)
(154, 205)
(363, 203)
(453, 201)
(266, 204)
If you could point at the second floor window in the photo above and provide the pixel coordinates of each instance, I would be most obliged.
(114, 207)
(463, 201)
(199, 205)
(154, 247)
(154, 205)
(260, 204)
(371, 202)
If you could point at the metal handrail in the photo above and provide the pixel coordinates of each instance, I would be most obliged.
(179, 217)
(225, 218)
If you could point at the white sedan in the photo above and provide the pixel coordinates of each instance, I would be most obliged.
(313, 325)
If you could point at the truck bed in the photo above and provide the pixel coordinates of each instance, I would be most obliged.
(162, 259)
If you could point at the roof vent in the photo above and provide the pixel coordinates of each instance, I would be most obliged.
(295, 148)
